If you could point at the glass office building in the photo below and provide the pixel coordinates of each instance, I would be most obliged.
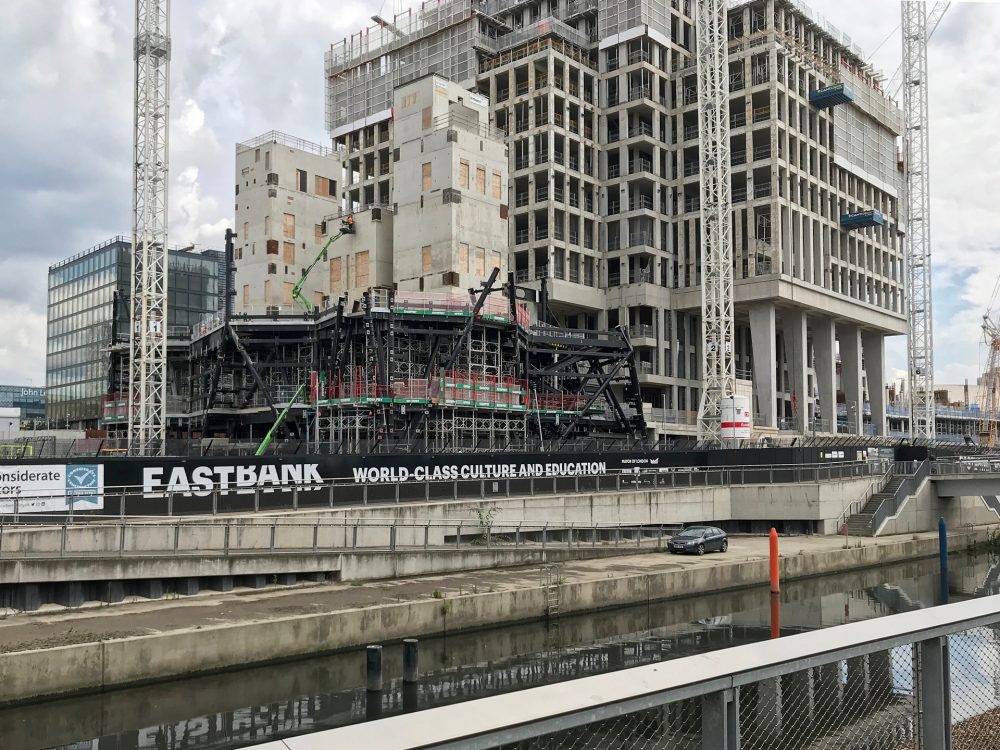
(88, 309)
(29, 399)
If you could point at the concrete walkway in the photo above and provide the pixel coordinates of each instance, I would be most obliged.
(54, 626)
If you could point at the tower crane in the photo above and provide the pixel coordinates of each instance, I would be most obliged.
(989, 383)
(148, 319)
(916, 25)
(718, 366)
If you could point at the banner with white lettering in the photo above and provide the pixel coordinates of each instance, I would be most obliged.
(51, 488)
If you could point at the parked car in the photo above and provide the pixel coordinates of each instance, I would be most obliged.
(698, 540)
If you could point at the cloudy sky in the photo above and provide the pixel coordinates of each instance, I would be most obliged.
(242, 67)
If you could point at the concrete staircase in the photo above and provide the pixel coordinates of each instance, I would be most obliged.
(859, 524)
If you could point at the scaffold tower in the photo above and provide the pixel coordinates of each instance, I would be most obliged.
(718, 367)
(148, 319)
(920, 343)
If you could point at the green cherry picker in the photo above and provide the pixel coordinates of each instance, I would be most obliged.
(346, 227)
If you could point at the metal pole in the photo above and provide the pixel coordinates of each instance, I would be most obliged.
(943, 557)
(410, 663)
(373, 669)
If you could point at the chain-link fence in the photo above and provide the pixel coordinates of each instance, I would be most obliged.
(923, 680)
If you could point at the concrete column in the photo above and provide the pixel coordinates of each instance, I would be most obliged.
(764, 358)
(795, 338)
(850, 374)
(874, 349)
(824, 334)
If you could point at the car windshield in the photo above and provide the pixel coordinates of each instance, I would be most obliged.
(694, 531)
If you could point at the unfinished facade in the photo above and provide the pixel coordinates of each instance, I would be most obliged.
(598, 101)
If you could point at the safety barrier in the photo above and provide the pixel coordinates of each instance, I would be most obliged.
(923, 679)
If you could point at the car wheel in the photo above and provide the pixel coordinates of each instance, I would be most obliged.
(701, 549)
(725, 545)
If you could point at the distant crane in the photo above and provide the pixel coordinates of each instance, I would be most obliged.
(989, 385)
(148, 319)
(718, 365)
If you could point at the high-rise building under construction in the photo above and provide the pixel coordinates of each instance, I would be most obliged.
(597, 102)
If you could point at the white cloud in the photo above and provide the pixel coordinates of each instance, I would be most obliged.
(24, 334)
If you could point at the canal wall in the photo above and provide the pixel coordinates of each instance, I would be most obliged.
(27, 675)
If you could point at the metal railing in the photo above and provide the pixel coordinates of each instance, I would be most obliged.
(909, 486)
(916, 679)
(284, 535)
(245, 497)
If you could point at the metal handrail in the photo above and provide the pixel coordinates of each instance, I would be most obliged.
(349, 490)
(891, 506)
(273, 534)
(712, 679)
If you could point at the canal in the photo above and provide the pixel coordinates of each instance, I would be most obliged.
(245, 707)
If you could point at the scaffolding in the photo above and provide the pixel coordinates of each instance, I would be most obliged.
(439, 36)
(415, 372)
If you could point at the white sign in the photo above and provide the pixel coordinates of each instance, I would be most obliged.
(452, 472)
(51, 488)
(201, 481)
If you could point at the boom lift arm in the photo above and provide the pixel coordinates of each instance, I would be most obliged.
(346, 227)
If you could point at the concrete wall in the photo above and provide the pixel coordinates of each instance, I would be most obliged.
(259, 218)
(922, 511)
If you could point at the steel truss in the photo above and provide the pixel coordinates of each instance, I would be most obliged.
(718, 366)
(148, 355)
(920, 342)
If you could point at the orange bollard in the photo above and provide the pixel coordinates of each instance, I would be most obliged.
(774, 562)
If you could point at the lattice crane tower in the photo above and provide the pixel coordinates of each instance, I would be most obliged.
(148, 361)
(920, 342)
(718, 368)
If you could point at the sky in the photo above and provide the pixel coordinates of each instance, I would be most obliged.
(243, 67)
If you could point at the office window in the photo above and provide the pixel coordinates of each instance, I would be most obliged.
(463, 174)
(426, 117)
(425, 175)
(463, 257)
(480, 261)
(256, 155)
(289, 252)
(494, 259)
(335, 275)
(267, 291)
(301, 179)
(272, 247)
(288, 226)
(425, 258)
(246, 230)
(408, 101)
(318, 234)
(267, 226)
(481, 180)
(496, 185)
(272, 268)
(286, 292)
(361, 269)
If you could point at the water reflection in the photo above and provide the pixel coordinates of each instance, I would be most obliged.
(255, 705)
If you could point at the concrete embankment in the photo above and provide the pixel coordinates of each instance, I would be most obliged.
(237, 635)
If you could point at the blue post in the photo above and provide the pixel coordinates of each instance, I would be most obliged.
(943, 553)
